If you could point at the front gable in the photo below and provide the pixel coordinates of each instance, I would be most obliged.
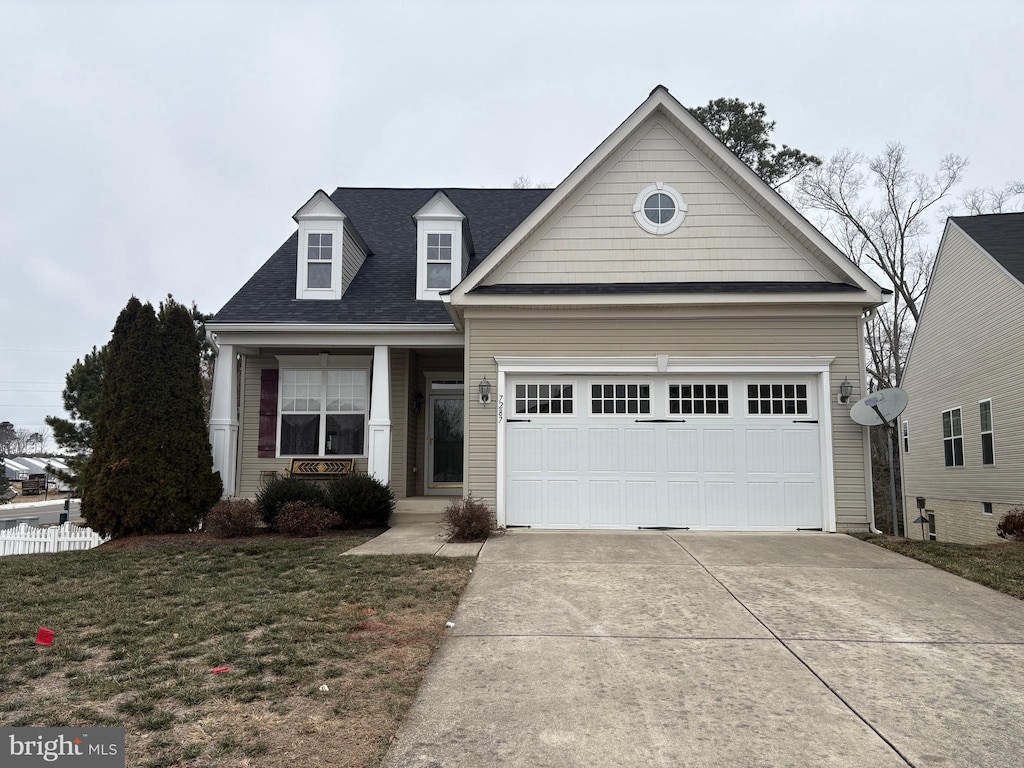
(597, 236)
(737, 232)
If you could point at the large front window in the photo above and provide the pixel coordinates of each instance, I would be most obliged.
(323, 412)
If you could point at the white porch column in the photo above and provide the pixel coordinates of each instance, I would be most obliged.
(224, 417)
(379, 452)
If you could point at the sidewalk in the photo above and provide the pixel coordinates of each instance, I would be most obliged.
(415, 539)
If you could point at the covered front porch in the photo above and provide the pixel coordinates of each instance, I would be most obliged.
(396, 409)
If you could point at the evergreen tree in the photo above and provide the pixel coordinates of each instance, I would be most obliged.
(83, 387)
(188, 485)
(120, 480)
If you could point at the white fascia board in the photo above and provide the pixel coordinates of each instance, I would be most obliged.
(338, 328)
(661, 99)
(319, 206)
(298, 335)
(439, 206)
(650, 364)
(662, 299)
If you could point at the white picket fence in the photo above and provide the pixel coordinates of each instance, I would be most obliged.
(27, 539)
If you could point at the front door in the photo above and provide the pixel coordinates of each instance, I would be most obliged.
(444, 443)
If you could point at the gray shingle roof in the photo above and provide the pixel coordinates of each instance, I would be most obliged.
(384, 290)
(1002, 235)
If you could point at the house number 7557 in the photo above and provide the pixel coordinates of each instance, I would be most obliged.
(501, 407)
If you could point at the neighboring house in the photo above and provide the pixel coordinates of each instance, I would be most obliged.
(658, 341)
(962, 435)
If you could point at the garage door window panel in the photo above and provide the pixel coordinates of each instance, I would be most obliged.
(698, 399)
(544, 399)
(620, 399)
(777, 399)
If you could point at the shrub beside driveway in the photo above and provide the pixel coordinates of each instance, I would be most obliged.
(325, 652)
(999, 566)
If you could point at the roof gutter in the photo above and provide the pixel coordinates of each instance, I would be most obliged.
(446, 299)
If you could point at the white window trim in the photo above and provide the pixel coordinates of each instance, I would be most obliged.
(574, 399)
(302, 287)
(705, 381)
(953, 437)
(324, 362)
(439, 216)
(906, 436)
(988, 512)
(990, 431)
(816, 367)
(652, 227)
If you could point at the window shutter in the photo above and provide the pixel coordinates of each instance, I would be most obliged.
(267, 447)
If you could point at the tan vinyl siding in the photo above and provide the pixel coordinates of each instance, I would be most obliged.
(250, 465)
(595, 238)
(757, 333)
(352, 257)
(968, 348)
(401, 411)
(962, 522)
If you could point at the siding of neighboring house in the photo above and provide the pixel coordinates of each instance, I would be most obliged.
(352, 257)
(594, 237)
(706, 331)
(967, 348)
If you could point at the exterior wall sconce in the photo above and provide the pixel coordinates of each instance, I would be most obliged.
(845, 390)
(485, 390)
(417, 403)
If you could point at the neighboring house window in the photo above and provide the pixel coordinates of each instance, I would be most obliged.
(319, 250)
(701, 399)
(931, 527)
(953, 437)
(906, 437)
(439, 260)
(659, 209)
(323, 412)
(988, 449)
(777, 399)
(986, 507)
(544, 398)
(620, 398)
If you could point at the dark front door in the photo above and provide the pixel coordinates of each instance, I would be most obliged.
(445, 442)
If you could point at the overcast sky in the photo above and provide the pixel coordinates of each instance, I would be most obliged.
(149, 148)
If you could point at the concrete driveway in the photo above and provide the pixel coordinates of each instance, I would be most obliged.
(686, 649)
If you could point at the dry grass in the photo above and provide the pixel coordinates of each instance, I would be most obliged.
(140, 625)
(999, 566)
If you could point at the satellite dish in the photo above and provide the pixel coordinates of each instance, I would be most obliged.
(880, 407)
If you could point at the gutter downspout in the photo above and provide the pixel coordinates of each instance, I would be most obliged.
(868, 475)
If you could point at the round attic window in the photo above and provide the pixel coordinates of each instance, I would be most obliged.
(659, 209)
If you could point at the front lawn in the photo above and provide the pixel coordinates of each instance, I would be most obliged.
(139, 630)
(999, 566)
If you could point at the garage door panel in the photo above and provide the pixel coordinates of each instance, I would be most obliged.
(640, 450)
(719, 450)
(606, 507)
(764, 504)
(562, 450)
(762, 451)
(682, 450)
(526, 450)
(684, 505)
(721, 505)
(803, 504)
(743, 467)
(605, 446)
(800, 451)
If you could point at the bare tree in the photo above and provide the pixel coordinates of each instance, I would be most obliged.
(876, 210)
(979, 201)
(525, 182)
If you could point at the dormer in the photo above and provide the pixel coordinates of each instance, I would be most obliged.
(442, 247)
(320, 246)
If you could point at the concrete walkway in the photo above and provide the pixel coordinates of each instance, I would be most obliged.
(415, 539)
(685, 649)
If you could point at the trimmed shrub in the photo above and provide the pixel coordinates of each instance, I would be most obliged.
(360, 501)
(300, 518)
(232, 518)
(1012, 525)
(274, 494)
(468, 519)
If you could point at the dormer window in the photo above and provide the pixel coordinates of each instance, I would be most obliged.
(442, 247)
(439, 260)
(319, 249)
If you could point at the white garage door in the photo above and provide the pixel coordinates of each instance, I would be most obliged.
(697, 452)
